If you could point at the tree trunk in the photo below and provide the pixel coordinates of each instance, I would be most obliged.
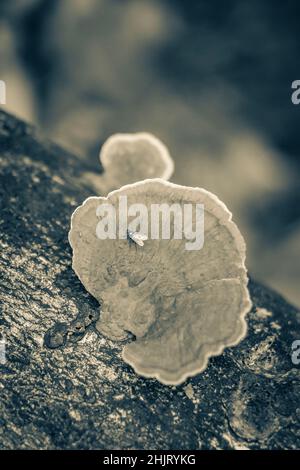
(79, 394)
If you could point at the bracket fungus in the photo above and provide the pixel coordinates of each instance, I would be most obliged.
(127, 158)
(182, 305)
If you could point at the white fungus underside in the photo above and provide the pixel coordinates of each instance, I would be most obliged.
(182, 306)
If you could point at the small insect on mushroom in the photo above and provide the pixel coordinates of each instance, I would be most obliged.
(136, 237)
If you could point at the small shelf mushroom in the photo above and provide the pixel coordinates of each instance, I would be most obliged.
(127, 158)
(182, 306)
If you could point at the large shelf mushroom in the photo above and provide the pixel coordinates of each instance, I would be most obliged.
(127, 158)
(182, 306)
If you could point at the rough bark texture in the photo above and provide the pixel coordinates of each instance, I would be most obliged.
(81, 394)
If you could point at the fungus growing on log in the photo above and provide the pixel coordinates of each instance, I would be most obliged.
(182, 305)
(127, 158)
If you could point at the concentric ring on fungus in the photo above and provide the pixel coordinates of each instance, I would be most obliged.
(182, 306)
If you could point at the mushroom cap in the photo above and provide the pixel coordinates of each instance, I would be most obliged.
(182, 306)
(127, 158)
